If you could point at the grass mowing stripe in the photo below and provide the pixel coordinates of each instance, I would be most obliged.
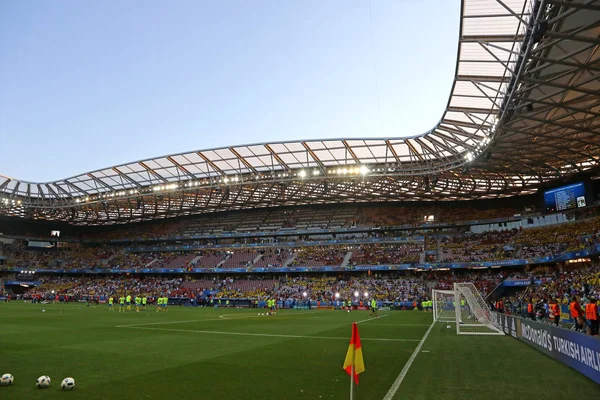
(390, 394)
(269, 334)
(158, 323)
(204, 320)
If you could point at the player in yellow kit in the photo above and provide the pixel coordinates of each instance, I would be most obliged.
(121, 304)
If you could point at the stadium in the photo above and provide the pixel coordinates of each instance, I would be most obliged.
(468, 255)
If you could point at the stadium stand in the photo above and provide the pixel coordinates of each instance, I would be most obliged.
(377, 254)
(319, 255)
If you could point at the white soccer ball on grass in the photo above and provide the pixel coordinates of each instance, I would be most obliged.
(67, 384)
(7, 380)
(43, 382)
(448, 327)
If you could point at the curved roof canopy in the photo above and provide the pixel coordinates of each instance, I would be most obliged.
(523, 110)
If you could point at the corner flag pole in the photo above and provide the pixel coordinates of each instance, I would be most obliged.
(354, 363)
(352, 381)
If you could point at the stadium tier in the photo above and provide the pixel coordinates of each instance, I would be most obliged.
(520, 240)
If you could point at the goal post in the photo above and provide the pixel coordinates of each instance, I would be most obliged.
(472, 315)
(443, 306)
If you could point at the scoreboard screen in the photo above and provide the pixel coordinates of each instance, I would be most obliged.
(565, 197)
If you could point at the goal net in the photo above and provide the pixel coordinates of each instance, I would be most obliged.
(443, 306)
(472, 315)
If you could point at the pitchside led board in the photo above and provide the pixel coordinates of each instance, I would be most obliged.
(577, 350)
(565, 197)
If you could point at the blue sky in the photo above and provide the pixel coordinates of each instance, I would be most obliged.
(90, 84)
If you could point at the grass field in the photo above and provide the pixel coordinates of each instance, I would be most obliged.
(199, 353)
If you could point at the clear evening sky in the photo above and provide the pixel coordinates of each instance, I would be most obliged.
(90, 84)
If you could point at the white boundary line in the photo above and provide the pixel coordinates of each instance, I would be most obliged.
(371, 319)
(390, 394)
(402, 324)
(267, 334)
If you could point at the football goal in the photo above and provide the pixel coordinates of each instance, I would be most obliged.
(443, 306)
(466, 307)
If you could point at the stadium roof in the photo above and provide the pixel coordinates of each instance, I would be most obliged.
(523, 110)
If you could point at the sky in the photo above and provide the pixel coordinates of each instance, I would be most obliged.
(85, 85)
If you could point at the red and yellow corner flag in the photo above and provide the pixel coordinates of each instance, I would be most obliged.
(354, 355)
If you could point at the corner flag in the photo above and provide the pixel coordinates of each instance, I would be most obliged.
(354, 363)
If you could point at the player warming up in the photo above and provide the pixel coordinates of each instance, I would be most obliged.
(373, 309)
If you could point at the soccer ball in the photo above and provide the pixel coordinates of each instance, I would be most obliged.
(448, 327)
(43, 310)
(6, 380)
(67, 384)
(43, 382)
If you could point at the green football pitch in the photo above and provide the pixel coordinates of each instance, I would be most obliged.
(200, 353)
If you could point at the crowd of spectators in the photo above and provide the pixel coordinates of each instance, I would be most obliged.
(445, 248)
(554, 293)
(319, 256)
(488, 246)
(390, 216)
(284, 219)
(386, 254)
(556, 239)
(392, 288)
(103, 287)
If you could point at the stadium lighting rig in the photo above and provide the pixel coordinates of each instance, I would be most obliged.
(346, 171)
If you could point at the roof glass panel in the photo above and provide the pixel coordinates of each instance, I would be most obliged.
(225, 153)
(491, 26)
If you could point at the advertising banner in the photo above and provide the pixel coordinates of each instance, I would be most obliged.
(577, 350)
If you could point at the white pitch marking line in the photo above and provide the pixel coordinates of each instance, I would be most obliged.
(371, 319)
(267, 334)
(402, 324)
(390, 394)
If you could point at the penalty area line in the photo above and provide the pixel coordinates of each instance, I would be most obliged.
(371, 319)
(390, 394)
